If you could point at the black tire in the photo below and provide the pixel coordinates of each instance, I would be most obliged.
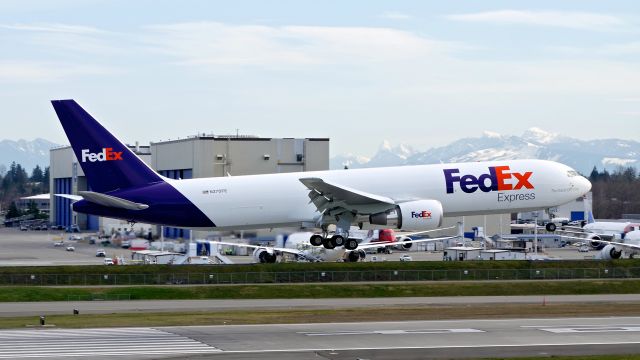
(328, 244)
(316, 240)
(337, 240)
(351, 244)
(551, 227)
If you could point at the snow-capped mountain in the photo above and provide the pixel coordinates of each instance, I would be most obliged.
(26, 153)
(535, 143)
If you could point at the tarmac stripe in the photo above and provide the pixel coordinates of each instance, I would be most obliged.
(59, 343)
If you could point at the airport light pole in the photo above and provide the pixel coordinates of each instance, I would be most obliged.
(161, 238)
(535, 233)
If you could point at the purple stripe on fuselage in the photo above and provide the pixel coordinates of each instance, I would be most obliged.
(167, 206)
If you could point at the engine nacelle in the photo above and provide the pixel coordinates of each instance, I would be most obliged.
(405, 242)
(355, 256)
(264, 255)
(609, 252)
(595, 244)
(419, 215)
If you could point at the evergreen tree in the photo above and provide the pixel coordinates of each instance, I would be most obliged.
(13, 211)
(36, 174)
(45, 180)
(594, 175)
(33, 208)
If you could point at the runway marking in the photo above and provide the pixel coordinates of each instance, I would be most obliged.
(59, 343)
(393, 332)
(426, 347)
(591, 329)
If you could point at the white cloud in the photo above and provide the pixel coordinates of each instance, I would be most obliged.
(395, 15)
(68, 38)
(404, 61)
(53, 28)
(211, 43)
(573, 20)
(31, 71)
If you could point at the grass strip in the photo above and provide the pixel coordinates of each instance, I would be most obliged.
(38, 293)
(237, 317)
(578, 357)
(298, 267)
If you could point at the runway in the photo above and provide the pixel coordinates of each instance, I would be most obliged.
(374, 340)
(103, 307)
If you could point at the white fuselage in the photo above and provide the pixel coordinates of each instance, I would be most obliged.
(611, 227)
(278, 200)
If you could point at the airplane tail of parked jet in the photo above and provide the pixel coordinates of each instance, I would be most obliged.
(107, 163)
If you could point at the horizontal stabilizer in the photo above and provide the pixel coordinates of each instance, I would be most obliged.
(111, 201)
(69, 196)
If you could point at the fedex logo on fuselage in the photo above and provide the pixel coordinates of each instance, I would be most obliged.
(499, 178)
(107, 154)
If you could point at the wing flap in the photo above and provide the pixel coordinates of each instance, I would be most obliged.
(334, 197)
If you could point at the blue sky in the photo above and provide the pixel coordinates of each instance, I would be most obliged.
(422, 73)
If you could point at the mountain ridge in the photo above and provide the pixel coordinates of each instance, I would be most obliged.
(27, 153)
(534, 143)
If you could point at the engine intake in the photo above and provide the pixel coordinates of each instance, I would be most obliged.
(610, 252)
(416, 215)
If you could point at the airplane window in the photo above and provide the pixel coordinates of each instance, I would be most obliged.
(572, 173)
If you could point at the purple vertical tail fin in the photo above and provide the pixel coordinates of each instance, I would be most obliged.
(107, 163)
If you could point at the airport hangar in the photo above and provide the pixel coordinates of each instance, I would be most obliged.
(211, 156)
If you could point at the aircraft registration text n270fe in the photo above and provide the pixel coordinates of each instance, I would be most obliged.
(410, 198)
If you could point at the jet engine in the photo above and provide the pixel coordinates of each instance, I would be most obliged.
(419, 215)
(609, 252)
(595, 244)
(355, 256)
(264, 255)
(405, 242)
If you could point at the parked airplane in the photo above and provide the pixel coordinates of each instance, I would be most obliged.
(409, 198)
(297, 244)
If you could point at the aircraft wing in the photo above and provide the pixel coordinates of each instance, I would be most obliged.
(379, 245)
(634, 247)
(423, 232)
(287, 250)
(572, 233)
(335, 199)
(271, 248)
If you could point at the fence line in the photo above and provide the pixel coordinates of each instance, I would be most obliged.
(199, 278)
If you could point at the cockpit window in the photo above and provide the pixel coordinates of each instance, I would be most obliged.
(572, 173)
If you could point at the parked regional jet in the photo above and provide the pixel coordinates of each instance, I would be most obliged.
(409, 198)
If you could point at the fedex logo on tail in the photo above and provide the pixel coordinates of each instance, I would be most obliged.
(107, 154)
(499, 178)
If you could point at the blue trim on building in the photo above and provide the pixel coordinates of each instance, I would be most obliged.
(63, 206)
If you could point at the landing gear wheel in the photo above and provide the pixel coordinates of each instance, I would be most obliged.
(328, 244)
(550, 227)
(351, 244)
(316, 240)
(337, 240)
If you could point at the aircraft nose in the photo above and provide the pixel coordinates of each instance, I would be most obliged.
(583, 184)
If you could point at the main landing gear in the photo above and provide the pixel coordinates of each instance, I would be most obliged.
(333, 241)
(341, 236)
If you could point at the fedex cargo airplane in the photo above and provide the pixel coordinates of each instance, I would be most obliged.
(408, 198)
